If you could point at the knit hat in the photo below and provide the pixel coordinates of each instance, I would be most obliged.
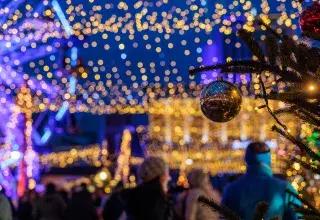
(151, 168)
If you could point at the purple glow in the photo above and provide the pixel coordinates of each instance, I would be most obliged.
(212, 54)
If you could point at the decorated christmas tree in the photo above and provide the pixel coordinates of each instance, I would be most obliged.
(295, 65)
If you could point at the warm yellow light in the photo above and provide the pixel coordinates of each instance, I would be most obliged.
(103, 176)
(311, 88)
(189, 161)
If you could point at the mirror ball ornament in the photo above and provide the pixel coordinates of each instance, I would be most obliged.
(310, 19)
(220, 101)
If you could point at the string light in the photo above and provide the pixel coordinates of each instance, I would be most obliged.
(93, 94)
(90, 155)
(131, 26)
(123, 162)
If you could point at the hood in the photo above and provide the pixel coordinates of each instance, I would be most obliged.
(253, 159)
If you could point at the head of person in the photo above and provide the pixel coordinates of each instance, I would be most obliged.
(83, 186)
(258, 153)
(198, 179)
(30, 195)
(51, 188)
(155, 169)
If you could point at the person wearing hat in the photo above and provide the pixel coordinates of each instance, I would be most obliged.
(259, 185)
(149, 199)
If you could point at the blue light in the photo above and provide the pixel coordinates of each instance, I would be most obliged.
(9, 162)
(72, 83)
(95, 95)
(74, 56)
(52, 57)
(123, 56)
(199, 50)
(62, 111)
(203, 3)
(15, 156)
(46, 136)
(254, 11)
(15, 147)
(62, 17)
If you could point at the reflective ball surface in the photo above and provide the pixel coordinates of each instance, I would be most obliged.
(220, 101)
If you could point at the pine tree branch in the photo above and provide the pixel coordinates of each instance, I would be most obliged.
(275, 218)
(260, 210)
(295, 99)
(304, 115)
(304, 211)
(311, 35)
(310, 217)
(286, 55)
(307, 117)
(222, 210)
(306, 165)
(253, 45)
(286, 110)
(255, 67)
(304, 149)
(272, 48)
(273, 32)
(307, 58)
(242, 63)
(304, 202)
(265, 96)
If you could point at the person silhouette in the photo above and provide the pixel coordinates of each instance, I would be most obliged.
(259, 185)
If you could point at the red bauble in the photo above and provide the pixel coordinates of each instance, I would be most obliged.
(310, 19)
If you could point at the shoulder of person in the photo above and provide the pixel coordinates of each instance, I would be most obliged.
(280, 184)
(234, 186)
(4, 200)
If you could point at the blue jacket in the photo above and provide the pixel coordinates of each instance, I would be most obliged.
(258, 185)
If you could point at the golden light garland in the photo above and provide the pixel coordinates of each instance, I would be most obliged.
(90, 155)
(181, 121)
(123, 161)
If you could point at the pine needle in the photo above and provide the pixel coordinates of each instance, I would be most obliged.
(252, 43)
(304, 211)
(275, 218)
(272, 48)
(222, 210)
(305, 149)
(305, 202)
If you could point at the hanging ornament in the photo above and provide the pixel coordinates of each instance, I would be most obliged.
(220, 101)
(310, 19)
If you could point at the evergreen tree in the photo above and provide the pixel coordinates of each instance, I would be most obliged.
(296, 65)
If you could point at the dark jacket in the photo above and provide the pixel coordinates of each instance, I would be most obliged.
(25, 210)
(5, 208)
(81, 206)
(259, 185)
(113, 207)
(50, 207)
(147, 202)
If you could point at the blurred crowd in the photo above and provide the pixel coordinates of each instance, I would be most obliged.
(152, 199)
